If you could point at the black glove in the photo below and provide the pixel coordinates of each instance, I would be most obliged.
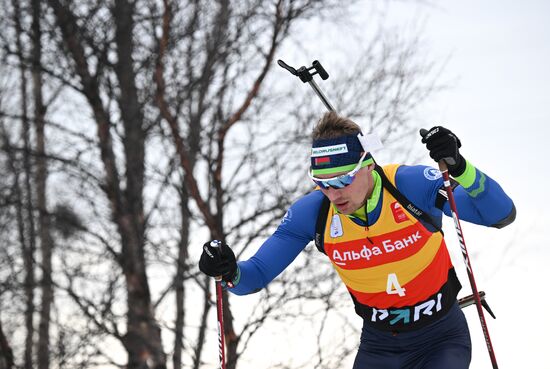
(443, 144)
(218, 259)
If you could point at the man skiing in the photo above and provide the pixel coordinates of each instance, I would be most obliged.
(380, 229)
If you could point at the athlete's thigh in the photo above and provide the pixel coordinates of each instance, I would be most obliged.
(449, 357)
(367, 359)
(446, 345)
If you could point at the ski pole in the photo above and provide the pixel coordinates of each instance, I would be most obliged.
(219, 305)
(446, 181)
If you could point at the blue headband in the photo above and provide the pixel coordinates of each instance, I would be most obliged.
(337, 154)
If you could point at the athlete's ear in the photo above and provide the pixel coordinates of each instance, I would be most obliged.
(370, 167)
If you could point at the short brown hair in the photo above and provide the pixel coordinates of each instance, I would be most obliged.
(332, 125)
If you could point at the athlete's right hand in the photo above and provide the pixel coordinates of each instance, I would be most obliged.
(218, 260)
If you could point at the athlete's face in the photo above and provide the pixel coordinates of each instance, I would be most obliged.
(350, 198)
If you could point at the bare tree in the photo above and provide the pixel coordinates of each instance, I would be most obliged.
(142, 339)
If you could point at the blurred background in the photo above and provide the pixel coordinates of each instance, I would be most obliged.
(131, 132)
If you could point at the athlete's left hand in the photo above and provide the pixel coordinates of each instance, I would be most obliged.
(443, 145)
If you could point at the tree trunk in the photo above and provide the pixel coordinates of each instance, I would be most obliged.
(27, 235)
(46, 240)
(143, 341)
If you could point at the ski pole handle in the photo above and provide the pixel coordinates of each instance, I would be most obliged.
(216, 245)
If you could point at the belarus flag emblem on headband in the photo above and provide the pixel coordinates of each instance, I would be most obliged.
(325, 160)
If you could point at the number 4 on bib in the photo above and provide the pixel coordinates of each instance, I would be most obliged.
(393, 287)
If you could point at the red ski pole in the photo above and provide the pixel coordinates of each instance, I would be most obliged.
(219, 304)
(446, 181)
(221, 333)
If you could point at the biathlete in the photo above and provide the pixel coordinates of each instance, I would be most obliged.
(380, 229)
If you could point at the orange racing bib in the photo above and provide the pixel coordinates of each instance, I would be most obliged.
(399, 274)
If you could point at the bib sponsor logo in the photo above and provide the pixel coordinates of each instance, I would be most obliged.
(432, 174)
(408, 314)
(416, 211)
(363, 253)
(398, 213)
(329, 150)
(336, 227)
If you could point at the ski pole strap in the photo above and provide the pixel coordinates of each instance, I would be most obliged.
(406, 203)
